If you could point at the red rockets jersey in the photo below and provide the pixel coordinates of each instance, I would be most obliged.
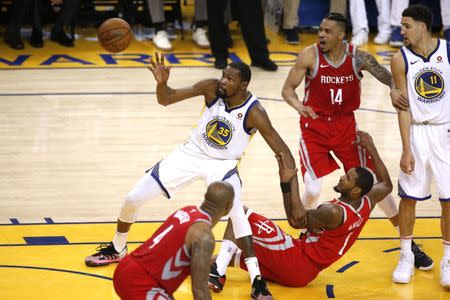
(165, 256)
(327, 246)
(333, 89)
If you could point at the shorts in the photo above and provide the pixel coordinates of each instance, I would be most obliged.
(430, 145)
(280, 257)
(187, 164)
(320, 137)
(132, 282)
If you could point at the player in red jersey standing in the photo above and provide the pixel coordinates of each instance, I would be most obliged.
(183, 245)
(332, 228)
(332, 71)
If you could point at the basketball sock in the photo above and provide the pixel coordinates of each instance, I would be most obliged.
(252, 267)
(226, 252)
(405, 244)
(120, 241)
(446, 248)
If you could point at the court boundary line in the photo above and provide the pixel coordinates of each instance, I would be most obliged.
(15, 221)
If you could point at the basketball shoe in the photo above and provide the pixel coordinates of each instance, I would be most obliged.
(445, 272)
(421, 260)
(105, 255)
(216, 281)
(260, 291)
(405, 268)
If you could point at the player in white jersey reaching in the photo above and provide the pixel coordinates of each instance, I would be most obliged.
(211, 153)
(421, 70)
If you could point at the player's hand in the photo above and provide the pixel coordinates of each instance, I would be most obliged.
(399, 99)
(286, 173)
(306, 111)
(159, 70)
(298, 218)
(364, 140)
(407, 162)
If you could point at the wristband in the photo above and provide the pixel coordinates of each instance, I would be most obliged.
(285, 187)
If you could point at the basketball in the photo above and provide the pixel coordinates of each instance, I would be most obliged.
(114, 35)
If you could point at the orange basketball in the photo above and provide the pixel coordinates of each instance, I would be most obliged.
(114, 35)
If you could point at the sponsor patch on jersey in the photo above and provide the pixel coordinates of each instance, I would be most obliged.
(219, 132)
(429, 85)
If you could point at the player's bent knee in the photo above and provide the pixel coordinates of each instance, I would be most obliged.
(129, 210)
(388, 206)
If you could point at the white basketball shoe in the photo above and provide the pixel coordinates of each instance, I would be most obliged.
(405, 268)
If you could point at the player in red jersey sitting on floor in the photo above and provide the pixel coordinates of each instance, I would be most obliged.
(332, 228)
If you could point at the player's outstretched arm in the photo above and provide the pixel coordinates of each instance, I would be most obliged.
(365, 61)
(258, 118)
(167, 95)
(384, 185)
(200, 241)
(296, 75)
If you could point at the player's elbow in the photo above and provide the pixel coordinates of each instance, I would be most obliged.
(163, 101)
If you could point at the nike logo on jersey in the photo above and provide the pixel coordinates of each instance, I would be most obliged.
(413, 62)
(324, 66)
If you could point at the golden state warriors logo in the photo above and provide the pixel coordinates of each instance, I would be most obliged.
(429, 85)
(219, 132)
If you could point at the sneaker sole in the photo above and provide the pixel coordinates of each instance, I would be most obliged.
(426, 268)
(94, 263)
(214, 288)
(402, 281)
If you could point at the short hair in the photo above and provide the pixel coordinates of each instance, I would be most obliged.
(244, 70)
(419, 13)
(340, 19)
(364, 180)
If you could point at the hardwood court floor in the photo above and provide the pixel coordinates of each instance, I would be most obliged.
(74, 141)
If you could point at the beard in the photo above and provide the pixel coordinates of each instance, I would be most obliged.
(338, 190)
(221, 93)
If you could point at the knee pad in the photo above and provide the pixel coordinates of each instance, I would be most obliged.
(388, 206)
(129, 210)
(312, 191)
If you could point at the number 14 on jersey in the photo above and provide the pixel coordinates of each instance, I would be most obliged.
(336, 96)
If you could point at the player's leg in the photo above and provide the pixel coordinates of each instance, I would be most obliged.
(440, 165)
(243, 235)
(165, 178)
(445, 228)
(412, 188)
(315, 161)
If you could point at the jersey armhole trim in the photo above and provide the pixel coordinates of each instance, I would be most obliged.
(249, 131)
(405, 61)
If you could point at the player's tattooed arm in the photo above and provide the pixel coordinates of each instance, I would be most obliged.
(365, 61)
(202, 248)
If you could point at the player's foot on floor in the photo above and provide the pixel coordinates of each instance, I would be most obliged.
(421, 260)
(105, 255)
(405, 268)
(216, 281)
(445, 272)
(260, 291)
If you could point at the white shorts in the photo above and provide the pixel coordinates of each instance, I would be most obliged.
(187, 164)
(430, 145)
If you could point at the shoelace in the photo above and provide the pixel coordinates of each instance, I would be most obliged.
(417, 251)
(106, 249)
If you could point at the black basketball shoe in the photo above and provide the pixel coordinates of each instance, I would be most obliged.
(421, 260)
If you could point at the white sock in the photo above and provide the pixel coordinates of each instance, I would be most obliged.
(227, 249)
(405, 244)
(120, 241)
(252, 267)
(446, 248)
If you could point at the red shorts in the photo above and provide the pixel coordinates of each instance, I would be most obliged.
(324, 135)
(281, 258)
(132, 282)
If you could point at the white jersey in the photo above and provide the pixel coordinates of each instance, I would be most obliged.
(221, 133)
(428, 84)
